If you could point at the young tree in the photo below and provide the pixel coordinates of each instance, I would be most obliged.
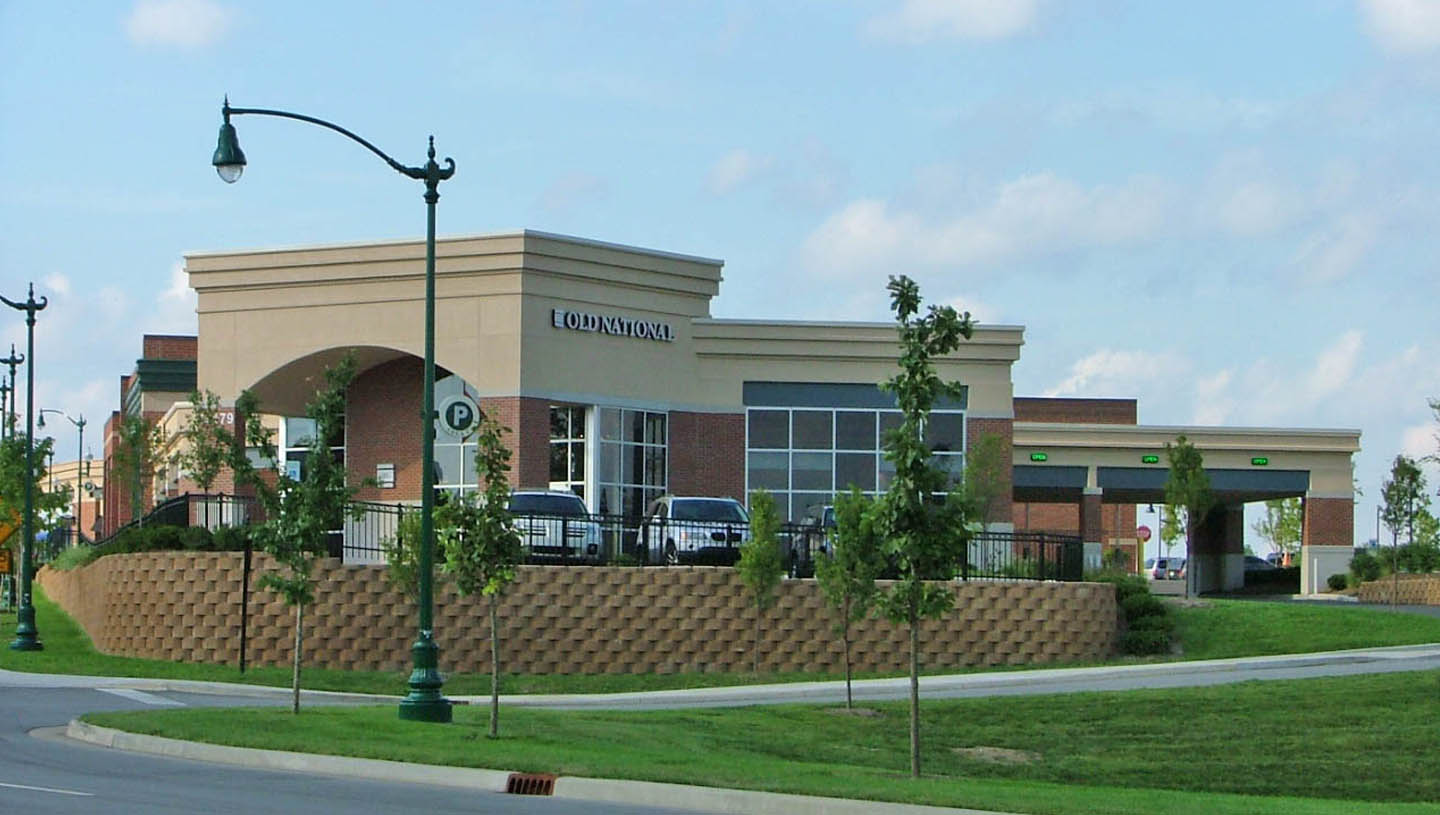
(847, 573)
(481, 544)
(761, 566)
(136, 448)
(1403, 498)
(1283, 525)
(987, 476)
(1172, 526)
(300, 513)
(208, 443)
(402, 556)
(1188, 486)
(922, 524)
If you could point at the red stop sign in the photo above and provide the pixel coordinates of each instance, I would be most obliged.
(1143, 533)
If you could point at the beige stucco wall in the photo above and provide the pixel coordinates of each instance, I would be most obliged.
(186, 606)
(273, 318)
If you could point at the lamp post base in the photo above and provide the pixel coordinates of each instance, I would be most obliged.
(425, 704)
(27, 638)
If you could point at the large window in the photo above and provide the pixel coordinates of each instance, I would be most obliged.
(803, 456)
(567, 448)
(298, 433)
(630, 467)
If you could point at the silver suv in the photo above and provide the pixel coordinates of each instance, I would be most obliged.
(555, 526)
(684, 529)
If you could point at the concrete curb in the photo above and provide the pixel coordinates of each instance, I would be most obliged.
(633, 793)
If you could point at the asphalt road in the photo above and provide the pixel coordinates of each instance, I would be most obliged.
(42, 772)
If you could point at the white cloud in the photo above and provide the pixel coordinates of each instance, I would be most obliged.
(1213, 405)
(1418, 441)
(924, 20)
(58, 283)
(1335, 251)
(187, 24)
(1114, 373)
(734, 169)
(980, 311)
(1335, 366)
(1033, 214)
(573, 190)
(1403, 26)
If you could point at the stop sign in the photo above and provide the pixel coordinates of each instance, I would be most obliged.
(1143, 533)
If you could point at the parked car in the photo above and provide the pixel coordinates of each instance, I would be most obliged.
(692, 529)
(1165, 568)
(1258, 564)
(555, 527)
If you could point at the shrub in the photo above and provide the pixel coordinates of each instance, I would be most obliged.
(1337, 582)
(230, 538)
(196, 539)
(1365, 566)
(1142, 642)
(74, 558)
(1419, 557)
(1148, 620)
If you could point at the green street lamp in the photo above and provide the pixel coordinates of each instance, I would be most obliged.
(82, 467)
(27, 637)
(5, 424)
(425, 702)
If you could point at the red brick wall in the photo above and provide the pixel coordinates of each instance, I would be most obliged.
(529, 438)
(168, 346)
(382, 425)
(707, 454)
(1116, 520)
(1082, 411)
(1329, 522)
(1001, 511)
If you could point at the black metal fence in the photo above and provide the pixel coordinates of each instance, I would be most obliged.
(588, 540)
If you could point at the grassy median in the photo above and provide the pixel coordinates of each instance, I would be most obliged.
(1308, 746)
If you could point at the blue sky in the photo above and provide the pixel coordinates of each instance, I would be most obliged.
(1225, 210)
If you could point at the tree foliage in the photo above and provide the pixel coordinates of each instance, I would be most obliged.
(300, 513)
(47, 505)
(481, 543)
(208, 441)
(1283, 524)
(922, 524)
(761, 566)
(1402, 498)
(847, 572)
(137, 448)
(987, 477)
(402, 556)
(1188, 487)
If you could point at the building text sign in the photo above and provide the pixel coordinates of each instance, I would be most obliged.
(614, 326)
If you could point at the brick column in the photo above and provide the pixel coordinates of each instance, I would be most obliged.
(1328, 541)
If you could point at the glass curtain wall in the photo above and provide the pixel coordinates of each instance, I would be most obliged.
(631, 461)
(803, 456)
(567, 448)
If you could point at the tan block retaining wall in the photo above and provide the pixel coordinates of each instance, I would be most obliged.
(186, 606)
(1414, 590)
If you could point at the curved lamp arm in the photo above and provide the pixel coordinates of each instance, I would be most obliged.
(228, 154)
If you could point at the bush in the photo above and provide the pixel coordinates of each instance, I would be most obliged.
(1148, 620)
(196, 539)
(1337, 582)
(1143, 642)
(75, 557)
(1365, 566)
(230, 538)
(1419, 557)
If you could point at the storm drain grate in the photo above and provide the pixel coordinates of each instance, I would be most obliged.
(530, 784)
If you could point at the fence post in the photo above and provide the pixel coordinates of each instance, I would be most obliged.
(244, 601)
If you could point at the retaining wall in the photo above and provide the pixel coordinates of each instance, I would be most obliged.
(186, 606)
(1413, 590)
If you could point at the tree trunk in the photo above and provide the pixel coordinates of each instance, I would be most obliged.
(494, 667)
(295, 670)
(914, 689)
(755, 651)
(845, 635)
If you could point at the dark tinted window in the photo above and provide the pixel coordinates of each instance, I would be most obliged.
(539, 504)
(700, 509)
(769, 429)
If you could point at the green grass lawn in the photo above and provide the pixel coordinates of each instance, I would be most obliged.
(1218, 629)
(1311, 746)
